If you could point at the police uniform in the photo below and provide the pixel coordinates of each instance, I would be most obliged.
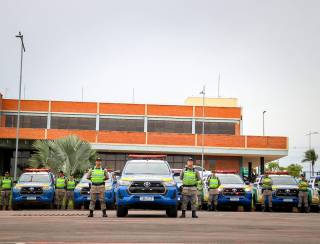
(213, 185)
(189, 177)
(267, 192)
(303, 195)
(71, 184)
(60, 192)
(6, 185)
(98, 176)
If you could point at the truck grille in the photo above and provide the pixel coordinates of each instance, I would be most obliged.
(147, 187)
(287, 192)
(85, 191)
(29, 190)
(233, 192)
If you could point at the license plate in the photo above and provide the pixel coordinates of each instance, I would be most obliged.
(88, 198)
(287, 200)
(234, 199)
(146, 199)
(31, 198)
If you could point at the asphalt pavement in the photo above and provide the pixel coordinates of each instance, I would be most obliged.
(41, 226)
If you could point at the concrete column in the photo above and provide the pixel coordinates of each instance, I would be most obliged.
(193, 126)
(261, 165)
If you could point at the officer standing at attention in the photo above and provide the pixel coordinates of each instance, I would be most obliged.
(189, 177)
(213, 185)
(98, 176)
(60, 193)
(266, 192)
(303, 194)
(71, 184)
(6, 186)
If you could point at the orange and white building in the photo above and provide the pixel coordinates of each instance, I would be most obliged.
(116, 130)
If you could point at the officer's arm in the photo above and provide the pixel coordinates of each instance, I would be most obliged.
(198, 176)
(89, 174)
(219, 183)
(208, 180)
(181, 175)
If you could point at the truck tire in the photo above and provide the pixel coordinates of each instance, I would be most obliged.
(122, 211)
(172, 212)
(14, 206)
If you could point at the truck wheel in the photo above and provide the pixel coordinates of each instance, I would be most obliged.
(247, 208)
(257, 207)
(14, 206)
(122, 211)
(172, 212)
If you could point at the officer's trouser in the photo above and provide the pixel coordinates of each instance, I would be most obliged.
(267, 194)
(94, 192)
(59, 197)
(189, 194)
(303, 197)
(213, 197)
(69, 197)
(199, 196)
(5, 198)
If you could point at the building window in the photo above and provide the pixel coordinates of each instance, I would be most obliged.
(216, 128)
(121, 124)
(26, 121)
(75, 123)
(170, 126)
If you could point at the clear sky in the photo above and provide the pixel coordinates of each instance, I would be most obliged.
(268, 54)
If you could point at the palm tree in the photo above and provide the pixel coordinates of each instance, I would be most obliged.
(312, 157)
(69, 154)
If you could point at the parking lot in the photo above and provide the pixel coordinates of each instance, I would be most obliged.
(41, 226)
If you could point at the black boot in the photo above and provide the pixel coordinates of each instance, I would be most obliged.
(183, 214)
(90, 214)
(104, 214)
(194, 215)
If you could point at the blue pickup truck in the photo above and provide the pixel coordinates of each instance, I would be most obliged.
(34, 187)
(146, 184)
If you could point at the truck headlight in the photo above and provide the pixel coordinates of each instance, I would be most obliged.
(16, 187)
(169, 183)
(46, 188)
(108, 187)
(78, 188)
(124, 183)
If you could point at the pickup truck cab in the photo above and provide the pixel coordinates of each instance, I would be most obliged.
(146, 184)
(34, 187)
(285, 191)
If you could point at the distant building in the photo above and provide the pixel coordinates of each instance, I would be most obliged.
(116, 130)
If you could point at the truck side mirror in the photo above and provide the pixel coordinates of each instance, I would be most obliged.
(247, 182)
(15, 182)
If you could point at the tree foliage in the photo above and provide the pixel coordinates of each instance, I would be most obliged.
(273, 166)
(310, 156)
(294, 169)
(69, 154)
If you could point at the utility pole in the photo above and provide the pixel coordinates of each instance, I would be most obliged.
(263, 131)
(20, 36)
(203, 92)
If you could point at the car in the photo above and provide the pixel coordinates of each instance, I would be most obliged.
(34, 187)
(233, 191)
(285, 191)
(314, 191)
(82, 192)
(146, 183)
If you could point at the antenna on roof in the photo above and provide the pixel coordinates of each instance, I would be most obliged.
(82, 93)
(133, 98)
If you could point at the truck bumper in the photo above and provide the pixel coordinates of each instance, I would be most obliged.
(84, 199)
(45, 198)
(245, 200)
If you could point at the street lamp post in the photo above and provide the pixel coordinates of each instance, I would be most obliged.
(20, 36)
(203, 92)
(263, 131)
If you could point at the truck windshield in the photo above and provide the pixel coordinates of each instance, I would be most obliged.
(147, 167)
(283, 180)
(230, 179)
(41, 178)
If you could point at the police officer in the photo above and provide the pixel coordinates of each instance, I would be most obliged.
(189, 177)
(267, 192)
(71, 184)
(6, 186)
(60, 192)
(199, 193)
(98, 176)
(213, 184)
(303, 194)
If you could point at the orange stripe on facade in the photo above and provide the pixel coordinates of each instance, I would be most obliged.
(26, 105)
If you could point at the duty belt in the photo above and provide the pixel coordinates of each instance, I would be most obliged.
(189, 185)
(97, 184)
